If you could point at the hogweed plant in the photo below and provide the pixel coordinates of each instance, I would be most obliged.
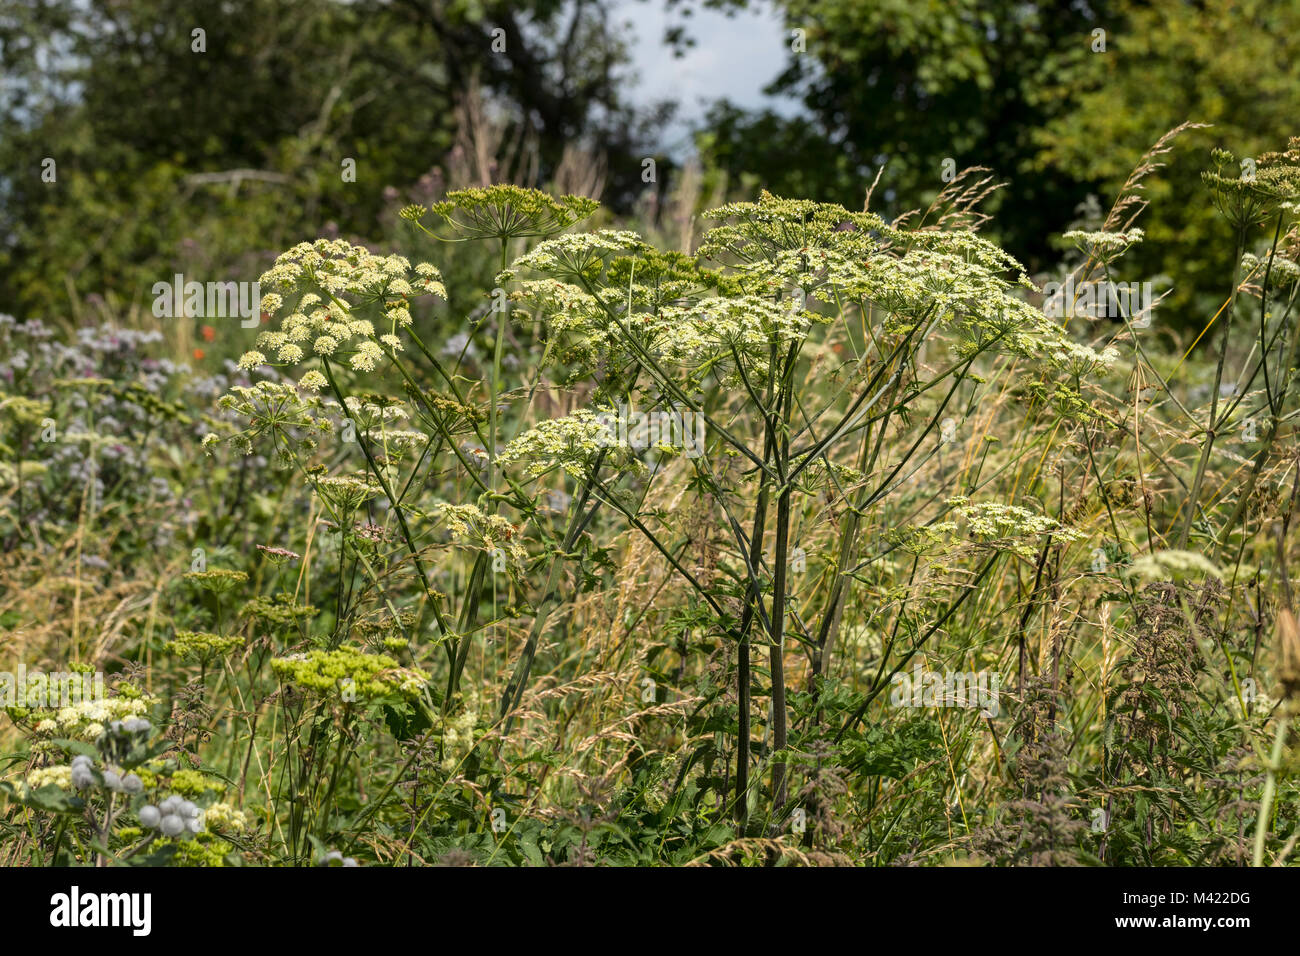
(637, 585)
(820, 349)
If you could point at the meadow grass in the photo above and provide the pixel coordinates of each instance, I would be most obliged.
(945, 580)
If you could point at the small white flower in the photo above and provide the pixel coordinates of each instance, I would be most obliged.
(367, 354)
(313, 381)
(251, 360)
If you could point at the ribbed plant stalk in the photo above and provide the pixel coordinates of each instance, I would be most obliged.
(468, 621)
(830, 621)
(1212, 425)
(393, 501)
(1270, 789)
(849, 532)
(515, 689)
(780, 561)
(743, 675)
(519, 678)
(1290, 350)
(495, 386)
(777, 655)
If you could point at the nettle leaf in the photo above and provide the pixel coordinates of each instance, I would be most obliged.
(892, 751)
(53, 798)
(406, 720)
(76, 746)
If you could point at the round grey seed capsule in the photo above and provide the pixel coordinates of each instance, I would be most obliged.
(172, 825)
(150, 816)
(349, 861)
(132, 783)
(112, 780)
(188, 810)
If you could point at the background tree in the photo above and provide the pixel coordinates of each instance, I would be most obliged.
(181, 150)
(1234, 65)
(908, 86)
(1027, 90)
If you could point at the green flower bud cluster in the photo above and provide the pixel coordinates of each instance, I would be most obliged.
(351, 673)
(202, 646)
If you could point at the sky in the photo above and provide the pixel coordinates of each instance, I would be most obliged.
(734, 57)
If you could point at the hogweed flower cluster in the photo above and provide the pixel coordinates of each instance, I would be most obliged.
(89, 720)
(571, 442)
(335, 285)
(1173, 565)
(351, 673)
(490, 532)
(1282, 272)
(504, 211)
(1011, 526)
(1105, 247)
(201, 646)
(574, 255)
(1248, 193)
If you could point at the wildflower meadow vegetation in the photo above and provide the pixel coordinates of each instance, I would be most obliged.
(748, 532)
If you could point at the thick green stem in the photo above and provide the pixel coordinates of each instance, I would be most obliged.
(1270, 788)
(743, 676)
(779, 583)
